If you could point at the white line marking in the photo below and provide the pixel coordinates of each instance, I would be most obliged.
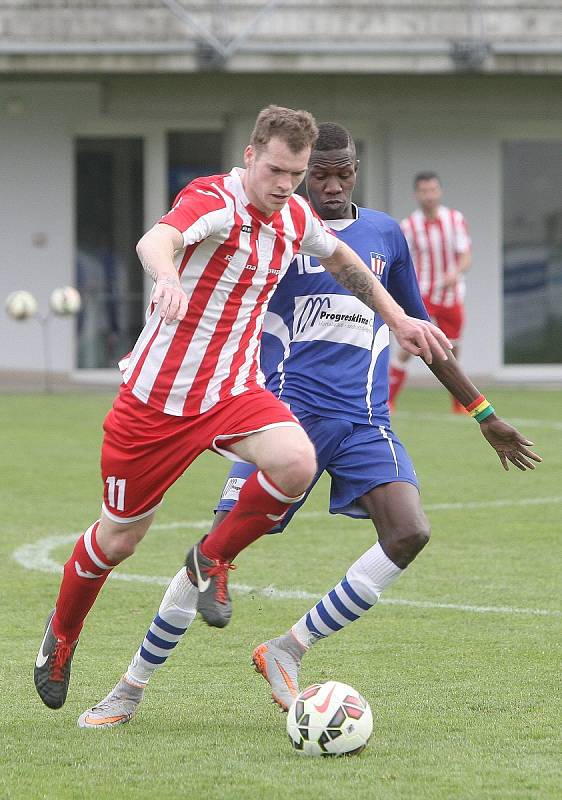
(457, 418)
(528, 501)
(37, 556)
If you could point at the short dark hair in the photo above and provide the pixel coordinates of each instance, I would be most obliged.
(332, 136)
(297, 129)
(428, 175)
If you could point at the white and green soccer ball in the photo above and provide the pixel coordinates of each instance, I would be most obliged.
(329, 719)
(21, 305)
(65, 301)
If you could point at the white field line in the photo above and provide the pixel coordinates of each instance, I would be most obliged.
(456, 418)
(527, 501)
(37, 556)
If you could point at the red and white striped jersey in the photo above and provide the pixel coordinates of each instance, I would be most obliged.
(435, 245)
(234, 257)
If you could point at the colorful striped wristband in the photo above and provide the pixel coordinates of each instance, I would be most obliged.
(486, 413)
(480, 408)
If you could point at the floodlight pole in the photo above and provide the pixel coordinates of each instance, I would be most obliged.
(44, 321)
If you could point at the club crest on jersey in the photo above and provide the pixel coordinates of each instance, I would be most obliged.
(378, 263)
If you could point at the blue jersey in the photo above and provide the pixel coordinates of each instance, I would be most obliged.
(323, 350)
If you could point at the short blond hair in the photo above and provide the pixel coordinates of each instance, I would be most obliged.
(297, 129)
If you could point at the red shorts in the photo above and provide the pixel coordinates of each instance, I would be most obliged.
(449, 318)
(144, 451)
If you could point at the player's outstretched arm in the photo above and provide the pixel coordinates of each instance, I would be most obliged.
(156, 252)
(416, 336)
(509, 444)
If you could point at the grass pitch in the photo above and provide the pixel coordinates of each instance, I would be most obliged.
(461, 664)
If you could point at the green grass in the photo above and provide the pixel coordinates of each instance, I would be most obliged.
(466, 704)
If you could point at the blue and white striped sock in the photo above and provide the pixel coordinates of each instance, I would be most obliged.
(355, 594)
(175, 615)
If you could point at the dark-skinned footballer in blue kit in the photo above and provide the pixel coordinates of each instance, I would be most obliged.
(325, 354)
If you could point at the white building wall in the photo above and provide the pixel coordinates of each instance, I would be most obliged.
(468, 163)
(37, 219)
(453, 124)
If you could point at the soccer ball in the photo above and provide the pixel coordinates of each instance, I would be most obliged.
(65, 301)
(329, 719)
(21, 305)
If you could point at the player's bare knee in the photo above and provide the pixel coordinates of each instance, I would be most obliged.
(303, 466)
(120, 546)
(414, 538)
(118, 541)
(403, 545)
(297, 469)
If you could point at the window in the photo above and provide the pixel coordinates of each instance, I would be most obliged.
(109, 222)
(192, 154)
(532, 253)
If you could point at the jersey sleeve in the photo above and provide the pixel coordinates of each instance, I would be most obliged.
(199, 211)
(402, 281)
(463, 243)
(318, 240)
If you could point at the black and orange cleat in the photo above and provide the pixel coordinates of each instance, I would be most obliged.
(211, 578)
(52, 667)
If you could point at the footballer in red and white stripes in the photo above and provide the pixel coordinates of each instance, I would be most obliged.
(192, 381)
(437, 245)
(440, 246)
(232, 258)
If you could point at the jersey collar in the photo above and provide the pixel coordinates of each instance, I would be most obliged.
(341, 224)
(237, 173)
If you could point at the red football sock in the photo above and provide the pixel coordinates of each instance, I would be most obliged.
(396, 378)
(85, 572)
(260, 506)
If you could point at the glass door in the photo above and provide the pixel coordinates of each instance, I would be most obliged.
(192, 154)
(532, 252)
(109, 223)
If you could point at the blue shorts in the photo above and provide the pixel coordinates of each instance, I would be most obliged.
(357, 458)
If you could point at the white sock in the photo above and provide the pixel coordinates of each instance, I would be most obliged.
(175, 615)
(355, 594)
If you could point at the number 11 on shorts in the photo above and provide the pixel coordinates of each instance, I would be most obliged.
(114, 483)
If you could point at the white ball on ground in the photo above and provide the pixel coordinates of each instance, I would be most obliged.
(21, 305)
(65, 301)
(329, 719)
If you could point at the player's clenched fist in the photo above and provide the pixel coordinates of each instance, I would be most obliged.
(171, 297)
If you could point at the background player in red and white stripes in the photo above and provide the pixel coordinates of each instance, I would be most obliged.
(440, 246)
(192, 382)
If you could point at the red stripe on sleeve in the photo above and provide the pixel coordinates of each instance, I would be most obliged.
(198, 198)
